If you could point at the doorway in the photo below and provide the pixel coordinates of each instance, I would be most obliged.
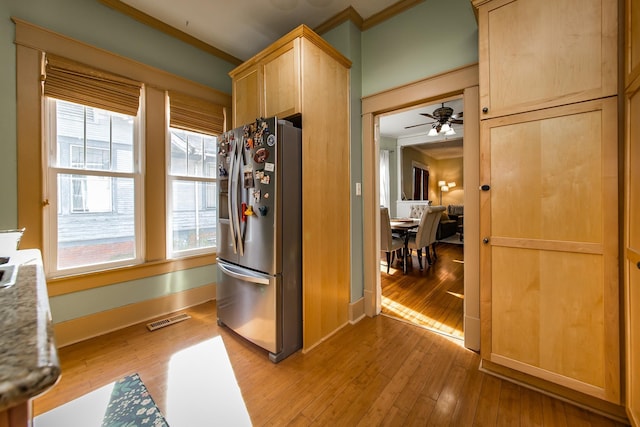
(423, 148)
(459, 82)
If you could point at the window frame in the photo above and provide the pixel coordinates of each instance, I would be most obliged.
(174, 177)
(51, 173)
(31, 42)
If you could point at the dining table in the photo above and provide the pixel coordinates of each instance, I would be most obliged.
(404, 226)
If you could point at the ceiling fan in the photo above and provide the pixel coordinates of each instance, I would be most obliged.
(444, 118)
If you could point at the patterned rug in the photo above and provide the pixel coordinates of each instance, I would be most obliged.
(132, 405)
(124, 403)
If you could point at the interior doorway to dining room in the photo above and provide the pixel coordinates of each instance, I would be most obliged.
(458, 83)
(421, 162)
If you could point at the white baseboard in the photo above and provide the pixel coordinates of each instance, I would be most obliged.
(82, 328)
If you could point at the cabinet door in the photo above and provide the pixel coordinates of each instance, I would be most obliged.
(549, 262)
(632, 244)
(542, 53)
(247, 96)
(633, 47)
(282, 81)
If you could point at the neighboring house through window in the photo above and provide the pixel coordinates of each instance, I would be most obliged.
(93, 181)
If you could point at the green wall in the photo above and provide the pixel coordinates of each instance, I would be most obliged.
(91, 22)
(411, 46)
(433, 37)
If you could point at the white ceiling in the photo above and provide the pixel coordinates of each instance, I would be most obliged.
(394, 125)
(243, 28)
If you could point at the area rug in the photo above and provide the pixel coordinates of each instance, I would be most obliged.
(454, 239)
(126, 402)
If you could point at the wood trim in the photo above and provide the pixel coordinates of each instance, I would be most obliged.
(356, 311)
(586, 401)
(390, 12)
(349, 14)
(66, 285)
(562, 380)
(152, 22)
(422, 91)
(29, 147)
(42, 39)
(80, 329)
(301, 31)
(31, 40)
(437, 87)
(548, 245)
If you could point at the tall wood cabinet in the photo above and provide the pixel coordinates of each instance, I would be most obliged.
(632, 210)
(302, 77)
(549, 210)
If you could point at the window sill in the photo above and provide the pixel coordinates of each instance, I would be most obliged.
(80, 282)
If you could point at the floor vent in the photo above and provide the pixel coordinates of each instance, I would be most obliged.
(167, 321)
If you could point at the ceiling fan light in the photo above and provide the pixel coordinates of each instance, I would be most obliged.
(432, 132)
(445, 128)
(450, 132)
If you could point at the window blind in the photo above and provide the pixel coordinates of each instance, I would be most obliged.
(195, 114)
(72, 81)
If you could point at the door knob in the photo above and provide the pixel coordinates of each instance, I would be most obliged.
(485, 240)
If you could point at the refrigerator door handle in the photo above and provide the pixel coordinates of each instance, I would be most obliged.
(238, 175)
(242, 274)
(232, 199)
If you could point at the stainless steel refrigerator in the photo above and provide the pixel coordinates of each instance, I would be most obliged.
(259, 288)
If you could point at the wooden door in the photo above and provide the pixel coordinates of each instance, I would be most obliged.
(549, 267)
(574, 41)
(282, 81)
(247, 96)
(632, 213)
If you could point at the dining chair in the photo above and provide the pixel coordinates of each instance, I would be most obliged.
(388, 242)
(425, 236)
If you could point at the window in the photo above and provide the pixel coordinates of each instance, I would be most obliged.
(192, 192)
(93, 188)
(93, 181)
(420, 182)
(191, 188)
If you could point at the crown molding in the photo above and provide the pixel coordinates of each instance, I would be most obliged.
(168, 29)
(390, 12)
(349, 14)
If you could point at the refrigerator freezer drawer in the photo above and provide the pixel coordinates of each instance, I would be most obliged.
(247, 302)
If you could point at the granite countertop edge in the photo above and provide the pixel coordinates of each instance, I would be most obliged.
(29, 362)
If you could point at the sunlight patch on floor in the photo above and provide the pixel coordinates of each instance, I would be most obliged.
(455, 294)
(383, 269)
(414, 317)
(201, 385)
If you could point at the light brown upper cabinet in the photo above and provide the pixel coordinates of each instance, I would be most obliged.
(538, 54)
(247, 95)
(269, 86)
(303, 78)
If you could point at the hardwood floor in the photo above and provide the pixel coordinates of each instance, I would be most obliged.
(376, 372)
(432, 297)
